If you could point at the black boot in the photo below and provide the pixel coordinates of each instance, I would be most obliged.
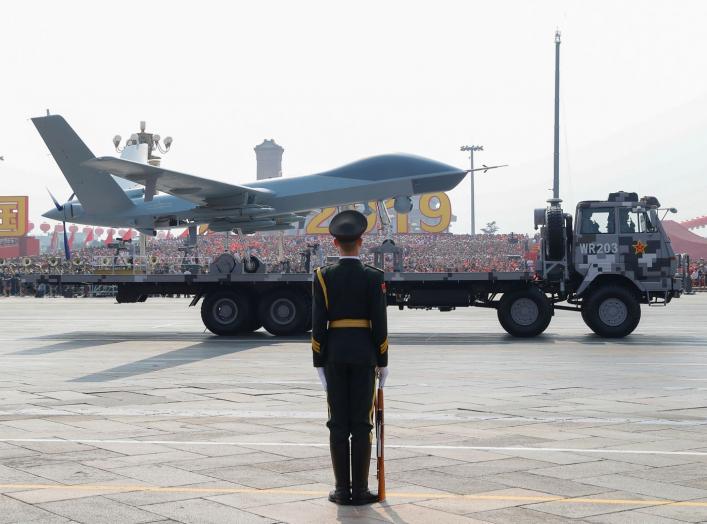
(360, 463)
(340, 460)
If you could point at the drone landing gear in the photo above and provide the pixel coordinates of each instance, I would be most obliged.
(387, 249)
(386, 223)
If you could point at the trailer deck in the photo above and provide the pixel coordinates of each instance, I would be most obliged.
(235, 303)
(210, 278)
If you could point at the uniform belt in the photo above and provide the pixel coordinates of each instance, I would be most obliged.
(350, 323)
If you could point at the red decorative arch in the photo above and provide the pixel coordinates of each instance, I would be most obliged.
(695, 222)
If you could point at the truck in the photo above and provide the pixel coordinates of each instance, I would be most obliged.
(604, 263)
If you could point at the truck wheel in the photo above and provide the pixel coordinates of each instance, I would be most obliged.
(226, 312)
(555, 233)
(283, 312)
(611, 312)
(524, 313)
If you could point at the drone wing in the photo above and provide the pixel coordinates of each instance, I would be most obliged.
(200, 191)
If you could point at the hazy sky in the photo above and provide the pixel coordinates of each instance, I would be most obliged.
(333, 82)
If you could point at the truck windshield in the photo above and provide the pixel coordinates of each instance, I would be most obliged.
(597, 220)
(632, 222)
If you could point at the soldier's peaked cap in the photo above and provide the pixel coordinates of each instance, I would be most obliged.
(348, 225)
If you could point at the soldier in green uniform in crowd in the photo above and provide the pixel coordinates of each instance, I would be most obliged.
(349, 346)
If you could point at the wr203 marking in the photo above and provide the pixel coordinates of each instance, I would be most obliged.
(597, 248)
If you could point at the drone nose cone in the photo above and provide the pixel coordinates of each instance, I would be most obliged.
(388, 167)
(424, 174)
(53, 214)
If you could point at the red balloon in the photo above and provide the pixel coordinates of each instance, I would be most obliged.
(45, 227)
(73, 228)
(98, 231)
(30, 226)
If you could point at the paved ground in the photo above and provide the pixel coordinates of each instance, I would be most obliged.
(130, 413)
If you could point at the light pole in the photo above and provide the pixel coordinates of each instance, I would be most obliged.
(132, 151)
(471, 150)
(556, 200)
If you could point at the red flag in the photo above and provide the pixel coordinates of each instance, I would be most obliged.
(185, 233)
(89, 236)
(109, 239)
(52, 245)
(128, 235)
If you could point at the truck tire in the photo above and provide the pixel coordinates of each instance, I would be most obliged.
(227, 312)
(524, 313)
(554, 231)
(283, 312)
(611, 312)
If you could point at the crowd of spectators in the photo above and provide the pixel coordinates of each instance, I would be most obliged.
(698, 273)
(422, 252)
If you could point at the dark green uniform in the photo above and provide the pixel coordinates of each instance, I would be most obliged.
(349, 339)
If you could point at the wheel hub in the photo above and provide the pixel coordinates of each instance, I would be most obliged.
(225, 311)
(524, 311)
(283, 311)
(613, 312)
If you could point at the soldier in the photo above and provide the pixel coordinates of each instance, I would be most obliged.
(349, 345)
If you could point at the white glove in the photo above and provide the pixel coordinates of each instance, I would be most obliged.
(382, 376)
(322, 377)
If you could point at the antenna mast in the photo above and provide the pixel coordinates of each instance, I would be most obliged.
(555, 200)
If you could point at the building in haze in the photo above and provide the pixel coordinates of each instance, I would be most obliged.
(268, 156)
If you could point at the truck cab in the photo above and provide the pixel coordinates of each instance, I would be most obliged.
(624, 237)
(614, 256)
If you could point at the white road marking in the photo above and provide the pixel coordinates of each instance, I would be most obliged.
(501, 449)
(98, 411)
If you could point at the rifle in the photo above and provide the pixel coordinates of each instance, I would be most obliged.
(380, 456)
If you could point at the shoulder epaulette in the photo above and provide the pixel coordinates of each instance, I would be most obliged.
(374, 267)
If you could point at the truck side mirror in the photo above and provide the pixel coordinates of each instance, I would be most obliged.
(539, 217)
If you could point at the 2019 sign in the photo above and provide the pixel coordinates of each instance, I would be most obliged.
(13, 216)
(433, 206)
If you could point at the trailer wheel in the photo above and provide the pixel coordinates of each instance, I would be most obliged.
(611, 312)
(226, 312)
(554, 233)
(283, 312)
(524, 313)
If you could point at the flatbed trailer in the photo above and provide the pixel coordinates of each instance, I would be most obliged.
(235, 303)
(614, 258)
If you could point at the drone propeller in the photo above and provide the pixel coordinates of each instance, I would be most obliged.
(59, 207)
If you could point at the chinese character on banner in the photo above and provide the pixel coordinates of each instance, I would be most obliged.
(13, 216)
